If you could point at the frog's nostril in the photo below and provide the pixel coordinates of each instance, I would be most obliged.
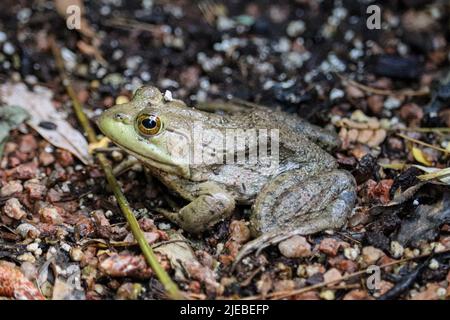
(119, 116)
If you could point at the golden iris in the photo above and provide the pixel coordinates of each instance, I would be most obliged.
(149, 124)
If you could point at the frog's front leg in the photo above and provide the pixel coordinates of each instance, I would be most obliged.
(297, 204)
(211, 204)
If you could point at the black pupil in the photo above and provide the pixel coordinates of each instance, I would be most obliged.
(149, 123)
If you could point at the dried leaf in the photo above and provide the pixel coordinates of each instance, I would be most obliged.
(420, 156)
(423, 224)
(45, 119)
(68, 289)
(442, 175)
(178, 252)
(183, 260)
(10, 118)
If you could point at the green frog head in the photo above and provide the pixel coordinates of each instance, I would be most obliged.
(155, 131)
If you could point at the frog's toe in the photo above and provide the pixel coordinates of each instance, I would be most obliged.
(264, 241)
(101, 144)
(257, 245)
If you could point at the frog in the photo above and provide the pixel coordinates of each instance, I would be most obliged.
(297, 190)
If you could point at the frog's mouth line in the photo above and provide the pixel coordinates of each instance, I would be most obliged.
(169, 167)
(140, 155)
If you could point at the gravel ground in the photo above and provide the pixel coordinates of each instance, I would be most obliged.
(385, 91)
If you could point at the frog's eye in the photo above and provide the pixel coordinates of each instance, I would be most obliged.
(149, 124)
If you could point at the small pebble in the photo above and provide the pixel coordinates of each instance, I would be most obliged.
(50, 215)
(117, 156)
(66, 247)
(239, 231)
(109, 214)
(371, 255)
(122, 100)
(434, 264)
(441, 292)
(46, 158)
(327, 295)
(295, 247)
(392, 103)
(32, 247)
(296, 28)
(329, 246)
(396, 249)
(3, 37)
(163, 226)
(437, 247)
(26, 230)
(76, 254)
(8, 48)
(27, 257)
(332, 275)
(13, 209)
(336, 94)
(351, 253)
(168, 96)
(11, 188)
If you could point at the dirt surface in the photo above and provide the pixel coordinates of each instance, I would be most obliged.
(385, 91)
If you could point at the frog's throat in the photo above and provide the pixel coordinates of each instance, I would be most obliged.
(182, 170)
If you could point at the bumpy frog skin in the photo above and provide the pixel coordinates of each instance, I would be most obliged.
(304, 194)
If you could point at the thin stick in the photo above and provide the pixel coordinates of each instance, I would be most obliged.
(437, 130)
(170, 287)
(401, 135)
(406, 92)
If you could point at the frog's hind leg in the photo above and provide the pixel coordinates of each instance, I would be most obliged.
(292, 204)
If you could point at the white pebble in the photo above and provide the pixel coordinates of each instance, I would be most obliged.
(327, 295)
(65, 247)
(3, 36)
(351, 253)
(109, 213)
(117, 54)
(27, 257)
(283, 45)
(8, 48)
(164, 226)
(224, 23)
(434, 264)
(168, 96)
(441, 292)
(437, 247)
(392, 103)
(296, 28)
(32, 247)
(336, 94)
(145, 76)
(356, 53)
(26, 229)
